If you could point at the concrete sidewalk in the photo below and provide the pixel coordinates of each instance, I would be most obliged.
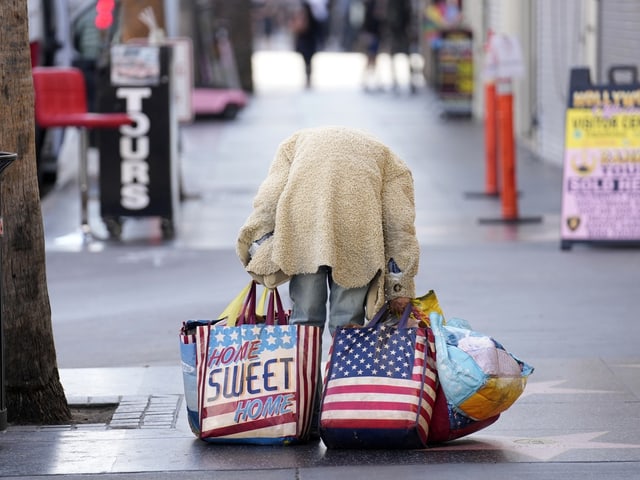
(572, 315)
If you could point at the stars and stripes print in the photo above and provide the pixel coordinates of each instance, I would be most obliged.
(256, 383)
(379, 383)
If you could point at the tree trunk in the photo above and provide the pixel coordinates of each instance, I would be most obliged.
(34, 392)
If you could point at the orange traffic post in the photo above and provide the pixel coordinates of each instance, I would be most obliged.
(506, 155)
(506, 152)
(490, 140)
(506, 63)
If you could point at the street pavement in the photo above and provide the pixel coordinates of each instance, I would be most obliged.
(117, 305)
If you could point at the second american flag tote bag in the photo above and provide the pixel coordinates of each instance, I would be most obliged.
(380, 387)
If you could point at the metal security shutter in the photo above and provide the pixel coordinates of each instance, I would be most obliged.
(558, 50)
(619, 34)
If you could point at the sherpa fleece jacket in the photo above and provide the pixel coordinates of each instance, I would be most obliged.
(335, 196)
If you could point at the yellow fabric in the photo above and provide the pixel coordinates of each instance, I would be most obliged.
(261, 306)
(497, 394)
(424, 305)
(231, 311)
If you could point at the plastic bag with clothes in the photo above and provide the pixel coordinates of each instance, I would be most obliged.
(479, 377)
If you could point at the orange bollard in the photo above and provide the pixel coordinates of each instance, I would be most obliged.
(500, 147)
(491, 157)
(506, 152)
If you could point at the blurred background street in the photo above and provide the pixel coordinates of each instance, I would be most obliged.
(222, 164)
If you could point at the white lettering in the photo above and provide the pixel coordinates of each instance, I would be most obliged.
(134, 150)
(139, 128)
(134, 97)
(134, 196)
(141, 150)
(135, 172)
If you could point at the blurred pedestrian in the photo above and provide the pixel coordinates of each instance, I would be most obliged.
(87, 44)
(372, 29)
(268, 20)
(350, 14)
(308, 30)
(399, 29)
(320, 11)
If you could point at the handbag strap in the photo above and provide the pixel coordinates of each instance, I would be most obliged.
(404, 319)
(275, 309)
(377, 318)
(248, 312)
(201, 369)
(384, 312)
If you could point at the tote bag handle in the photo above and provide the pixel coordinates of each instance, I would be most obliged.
(276, 310)
(384, 312)
(275, 313)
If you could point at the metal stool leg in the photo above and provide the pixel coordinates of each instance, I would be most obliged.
(83, 171)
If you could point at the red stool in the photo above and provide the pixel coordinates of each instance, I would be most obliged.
(61, 101)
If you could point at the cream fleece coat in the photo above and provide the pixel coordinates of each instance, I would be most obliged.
(335, 196)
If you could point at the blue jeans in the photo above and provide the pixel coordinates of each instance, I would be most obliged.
(308, 295)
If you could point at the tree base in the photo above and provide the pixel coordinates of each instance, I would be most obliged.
(46, 405)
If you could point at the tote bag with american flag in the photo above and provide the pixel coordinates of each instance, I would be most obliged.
(256, 382)
(380, 386)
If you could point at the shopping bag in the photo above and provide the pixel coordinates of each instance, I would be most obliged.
(449, 424)
(188, 350)
(480, 379)
(446, 422)
(257, 379)
(380, 386)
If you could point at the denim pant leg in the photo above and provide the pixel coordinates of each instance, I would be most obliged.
(308, 295)
(346, 305)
